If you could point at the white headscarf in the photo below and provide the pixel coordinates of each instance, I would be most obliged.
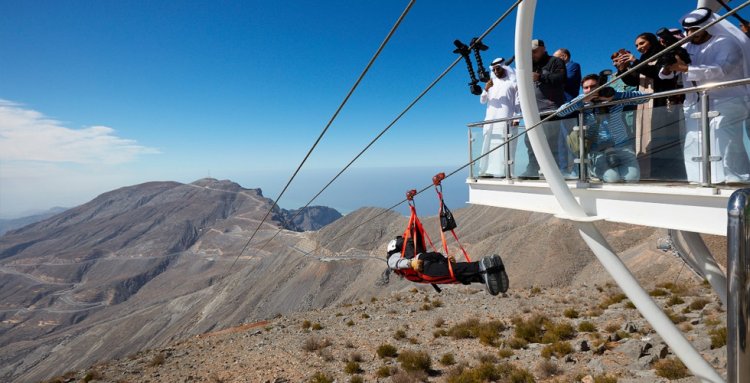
(510, 72)
(703, 16)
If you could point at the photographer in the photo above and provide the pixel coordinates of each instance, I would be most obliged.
(719, 53)
(611, 153)
(549, 76)
(657, 136)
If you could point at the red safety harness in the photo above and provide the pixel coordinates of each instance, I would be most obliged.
(416, 233)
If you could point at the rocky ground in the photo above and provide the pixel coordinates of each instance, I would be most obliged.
(584, 333)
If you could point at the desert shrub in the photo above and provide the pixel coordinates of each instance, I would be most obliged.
(675, 289)
(94, 375)
(349, 344)
(557, 331)
(437, 303)
(447, 359)
(487, 372)
(712, 321)
(718, 337)
(535, 290)
(356, 379)
(408, 376)
(612, 327)
(622, 334)
(426, 307)
(629, 305)
(671, 369)
(157, 360)
(317, 326)
(605, 379)
(505, 353)
(586, 326)
(399, 334)
(415, 361)
(321, 377)
(517, 343)
(612, 299)
(546, 368)
(486, 358)
(439, 322)
(439, 333)
(699, 303)
(350, 323)
(355, 357)
(657, 292)
(365, 316)
(558, 349)
(675, 317)
(352, 367)
(383, 372)
(386, 351)
(373, 300)
(413, 340)
(571, 313)
(314, 343)
(306, 324)
(530, 330)
(675, 300)
(487, 332)
(595, 312)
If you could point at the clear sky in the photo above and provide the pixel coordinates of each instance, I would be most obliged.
(96, 95)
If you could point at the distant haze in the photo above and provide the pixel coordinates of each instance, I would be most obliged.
(358, 187)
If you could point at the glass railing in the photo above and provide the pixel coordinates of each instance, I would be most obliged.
(654, 137)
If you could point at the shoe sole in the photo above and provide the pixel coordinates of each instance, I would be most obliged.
(494, 280)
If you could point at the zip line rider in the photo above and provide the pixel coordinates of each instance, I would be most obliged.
(489, 270)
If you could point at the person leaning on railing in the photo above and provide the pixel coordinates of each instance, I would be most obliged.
(610, 151)
(719, 53)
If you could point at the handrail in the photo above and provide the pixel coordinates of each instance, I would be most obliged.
(667, 93)
(738, 240)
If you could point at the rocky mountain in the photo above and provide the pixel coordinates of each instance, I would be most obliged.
(310, 218)
(145, 266)
(15, 223)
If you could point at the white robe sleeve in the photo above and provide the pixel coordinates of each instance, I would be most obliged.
(484, 97)
(727, 56)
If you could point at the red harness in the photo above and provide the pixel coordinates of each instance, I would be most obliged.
(417, 234)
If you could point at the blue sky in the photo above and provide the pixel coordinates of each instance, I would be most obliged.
(97, 95)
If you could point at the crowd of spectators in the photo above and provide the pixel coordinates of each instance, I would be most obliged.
(657, 139)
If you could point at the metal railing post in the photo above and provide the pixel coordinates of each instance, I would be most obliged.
(508, 160)
(582, 176)
(738, 309)
(471, 157)
(706, 141)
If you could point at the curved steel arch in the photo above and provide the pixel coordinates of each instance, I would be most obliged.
(572, 210)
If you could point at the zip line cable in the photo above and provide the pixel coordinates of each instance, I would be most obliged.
(328, 125)
(403, 112)
(615, 78)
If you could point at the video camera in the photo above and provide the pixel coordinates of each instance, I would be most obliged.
(669, 58)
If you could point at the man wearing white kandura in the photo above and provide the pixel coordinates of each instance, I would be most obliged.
(501, 96)
(719, 53)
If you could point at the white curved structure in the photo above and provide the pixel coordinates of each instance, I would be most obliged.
(572, 210)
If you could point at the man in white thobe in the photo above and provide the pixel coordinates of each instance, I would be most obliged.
(720, 53)
(501, 96)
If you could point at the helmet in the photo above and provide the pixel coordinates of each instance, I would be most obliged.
(395, 245)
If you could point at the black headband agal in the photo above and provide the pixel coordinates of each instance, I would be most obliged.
(686, 23)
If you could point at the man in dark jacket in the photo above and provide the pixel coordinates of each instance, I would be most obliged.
(549, 86)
